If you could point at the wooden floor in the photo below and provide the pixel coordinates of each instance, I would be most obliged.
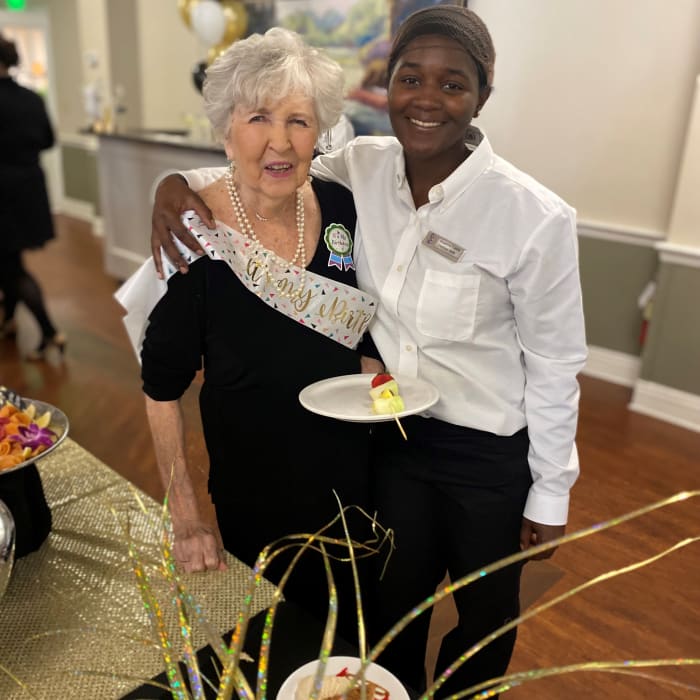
(628, 461)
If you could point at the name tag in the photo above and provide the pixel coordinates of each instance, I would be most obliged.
(443, 246)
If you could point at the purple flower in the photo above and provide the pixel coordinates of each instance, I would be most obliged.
(33, 436)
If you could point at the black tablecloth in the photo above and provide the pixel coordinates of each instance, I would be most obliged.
(296, 640)
(23, 494)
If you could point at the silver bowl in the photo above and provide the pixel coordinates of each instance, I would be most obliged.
(7, 546)
(59, 424)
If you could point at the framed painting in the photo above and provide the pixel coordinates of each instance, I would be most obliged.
(357, 34)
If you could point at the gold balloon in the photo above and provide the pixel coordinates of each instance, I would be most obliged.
(236, 17)
(236, 20)
(185, 9)
(216, 51)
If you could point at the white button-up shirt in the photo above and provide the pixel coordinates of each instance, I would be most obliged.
(500, 331)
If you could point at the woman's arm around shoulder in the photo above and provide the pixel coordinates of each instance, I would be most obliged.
(332, 167)
(175, 194)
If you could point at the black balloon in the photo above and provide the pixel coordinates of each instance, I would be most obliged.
(198, 74)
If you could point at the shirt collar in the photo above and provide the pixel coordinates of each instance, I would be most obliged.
(459, 180)
(399, 167)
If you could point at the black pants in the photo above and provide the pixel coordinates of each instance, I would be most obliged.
(18, 285)
(245, 535)
(23, 493)
(455, 499)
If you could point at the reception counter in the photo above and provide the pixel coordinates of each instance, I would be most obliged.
(72, 623)
(127, 166)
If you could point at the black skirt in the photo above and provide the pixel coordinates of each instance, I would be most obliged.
(26, 212)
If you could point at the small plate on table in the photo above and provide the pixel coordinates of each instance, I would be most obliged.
(58, 424)
(347, 398)
(341, 665)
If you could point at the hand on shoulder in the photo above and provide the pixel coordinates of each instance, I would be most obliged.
(173, 197)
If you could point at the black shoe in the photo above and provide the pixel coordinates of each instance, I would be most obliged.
(58, 341)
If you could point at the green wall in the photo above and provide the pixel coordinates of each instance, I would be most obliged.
(80, 175)
(672, 352)
(613, 276)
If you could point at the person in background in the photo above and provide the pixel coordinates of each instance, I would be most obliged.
(254, 314)
(25, 131)
(475, 266)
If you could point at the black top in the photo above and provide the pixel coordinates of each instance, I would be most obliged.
(25, 130)
(256, 361)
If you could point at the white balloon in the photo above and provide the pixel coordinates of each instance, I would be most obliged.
(208, 21)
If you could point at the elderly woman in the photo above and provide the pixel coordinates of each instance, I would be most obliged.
(255, 313)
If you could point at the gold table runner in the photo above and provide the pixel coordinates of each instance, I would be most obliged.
(73, 607)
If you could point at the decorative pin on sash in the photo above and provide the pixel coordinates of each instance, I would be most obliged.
(339, 242)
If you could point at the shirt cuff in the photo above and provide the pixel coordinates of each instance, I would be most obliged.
(546, 509)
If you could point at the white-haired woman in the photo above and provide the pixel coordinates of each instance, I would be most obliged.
(255, 313)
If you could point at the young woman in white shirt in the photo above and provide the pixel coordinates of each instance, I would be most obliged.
(475, 265)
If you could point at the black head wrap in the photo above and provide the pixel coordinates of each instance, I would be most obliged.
(8, 53)
(454, 22)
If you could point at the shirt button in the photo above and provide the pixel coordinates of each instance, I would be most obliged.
(409, 348)
(399, 268)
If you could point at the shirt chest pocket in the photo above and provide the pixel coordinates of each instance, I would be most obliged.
(447, 305)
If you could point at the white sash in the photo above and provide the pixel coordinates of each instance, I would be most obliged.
(336, 310)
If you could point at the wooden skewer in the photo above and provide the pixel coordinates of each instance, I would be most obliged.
(398, 422)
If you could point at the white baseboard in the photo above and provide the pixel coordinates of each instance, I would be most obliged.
(98, 226)
(668, 404)
(612, 366)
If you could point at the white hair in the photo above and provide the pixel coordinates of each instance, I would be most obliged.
(263, 68)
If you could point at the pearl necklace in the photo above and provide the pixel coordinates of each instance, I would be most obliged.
(247, 229)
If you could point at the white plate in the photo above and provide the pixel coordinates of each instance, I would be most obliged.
(335, 665)
(347, 397)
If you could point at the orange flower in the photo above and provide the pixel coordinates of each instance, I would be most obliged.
(24, 434)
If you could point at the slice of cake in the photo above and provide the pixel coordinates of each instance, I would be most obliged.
(385, 396)
(334, 687)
